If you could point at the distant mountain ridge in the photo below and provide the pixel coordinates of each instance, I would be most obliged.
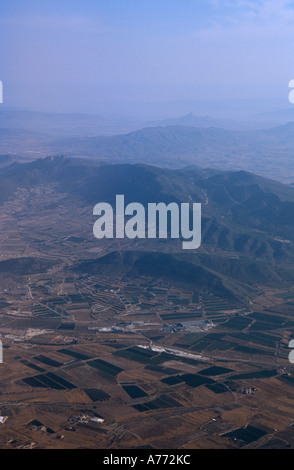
(178, 146)
(172, 143)
(189, 119)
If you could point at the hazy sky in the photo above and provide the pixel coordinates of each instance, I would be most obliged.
(94, 55)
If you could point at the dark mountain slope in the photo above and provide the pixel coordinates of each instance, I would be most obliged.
(159, 266)
(247, 220)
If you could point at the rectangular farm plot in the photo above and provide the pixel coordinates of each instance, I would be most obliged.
(134, 391)
(48, 361)
(245, 435)
(217, 388)
(172, 380)
(75, 354)
(49, 380)
(164, 401)
(215, 370)
(31, 365)
(95, 394)
(105, 367)
(143, 356)
(259, 374)
(195, 380)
